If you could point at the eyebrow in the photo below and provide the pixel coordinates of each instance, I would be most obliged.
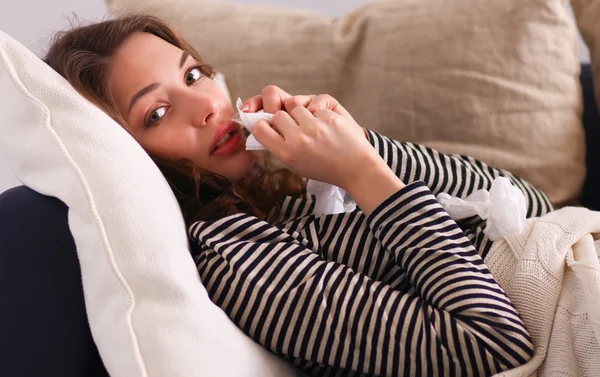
(184, 57)
(140, 94)
(153, 86)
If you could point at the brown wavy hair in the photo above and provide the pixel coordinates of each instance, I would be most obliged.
(82, 55)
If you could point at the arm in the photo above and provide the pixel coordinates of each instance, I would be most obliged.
(453, 318)
(455, 174)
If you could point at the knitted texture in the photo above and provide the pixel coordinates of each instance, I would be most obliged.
(551, 273)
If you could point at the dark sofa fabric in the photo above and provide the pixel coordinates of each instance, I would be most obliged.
(590, 197)
(43, 324)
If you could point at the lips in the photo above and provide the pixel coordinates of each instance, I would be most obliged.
(226, 140)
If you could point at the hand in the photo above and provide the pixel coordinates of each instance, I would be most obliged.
(316, 137)
(274, 99)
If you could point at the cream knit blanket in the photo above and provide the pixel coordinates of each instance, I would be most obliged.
(551, 272)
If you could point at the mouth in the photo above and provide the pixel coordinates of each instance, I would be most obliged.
(227, 139)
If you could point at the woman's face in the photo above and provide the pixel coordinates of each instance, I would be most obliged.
(173, 110)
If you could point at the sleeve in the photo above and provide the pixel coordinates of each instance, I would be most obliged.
(454, 174)
(451, 319)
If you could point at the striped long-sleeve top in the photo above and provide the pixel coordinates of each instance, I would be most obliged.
(403, 291)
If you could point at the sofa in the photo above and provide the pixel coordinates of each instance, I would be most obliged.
(43, 320)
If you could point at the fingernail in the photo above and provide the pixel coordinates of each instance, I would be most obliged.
(245, 108)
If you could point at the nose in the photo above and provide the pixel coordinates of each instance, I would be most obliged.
(200, 108)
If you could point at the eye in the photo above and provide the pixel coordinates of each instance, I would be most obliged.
(193, 75)
(155, 116)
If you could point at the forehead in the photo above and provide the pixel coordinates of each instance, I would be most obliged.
(144, 51)
(141, 60)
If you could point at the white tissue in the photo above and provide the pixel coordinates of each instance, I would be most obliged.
(329, 199)
(503, 208)
(248, 120)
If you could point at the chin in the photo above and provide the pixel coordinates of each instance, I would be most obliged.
(241, 165)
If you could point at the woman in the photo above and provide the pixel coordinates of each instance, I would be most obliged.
(394, 288)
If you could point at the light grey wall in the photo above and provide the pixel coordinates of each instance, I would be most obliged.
(33, 22)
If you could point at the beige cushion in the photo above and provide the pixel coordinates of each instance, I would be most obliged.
(496, 80)
(587, 13)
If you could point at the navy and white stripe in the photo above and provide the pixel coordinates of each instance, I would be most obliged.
(454, 174)
(401, 292)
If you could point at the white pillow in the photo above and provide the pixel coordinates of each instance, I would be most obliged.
(148, 311)
(222, 83)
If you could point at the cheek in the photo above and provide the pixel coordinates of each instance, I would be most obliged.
(175, 145)
(215, 92)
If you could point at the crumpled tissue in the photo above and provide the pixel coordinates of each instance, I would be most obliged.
(248, 120)
(329, 199)
(503, 208)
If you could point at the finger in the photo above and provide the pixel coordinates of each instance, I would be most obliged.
(267, 136)
(303, 117)
(285, 124)
(273, 99)
(326, 102)
(253, 104)
(295, 101)
(326, 115)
